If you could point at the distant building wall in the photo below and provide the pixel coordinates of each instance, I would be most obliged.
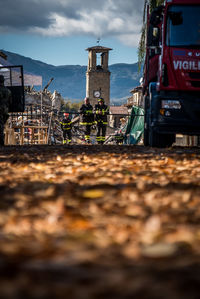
(136, 99)
(117, 113)
(98, 81)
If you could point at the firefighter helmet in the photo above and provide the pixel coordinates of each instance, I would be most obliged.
(101, 100)
(66, 114)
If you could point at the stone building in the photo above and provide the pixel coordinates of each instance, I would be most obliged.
(117, 115)
(136, 98)
(98, 74)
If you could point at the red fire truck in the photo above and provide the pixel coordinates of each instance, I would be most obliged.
(171, 83)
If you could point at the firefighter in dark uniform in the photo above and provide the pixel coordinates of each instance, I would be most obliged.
(87, 118)
(5, 102)
(66, 126)
(118, 137)
(101, 111)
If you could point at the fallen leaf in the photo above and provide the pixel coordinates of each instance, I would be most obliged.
(95, 193)
(159, 250)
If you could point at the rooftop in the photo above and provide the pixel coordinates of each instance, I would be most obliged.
(99, 49)
(118, 110)
(136, 89)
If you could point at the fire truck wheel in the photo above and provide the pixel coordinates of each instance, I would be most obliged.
(146, 121)
(160, 140)
(146, 136)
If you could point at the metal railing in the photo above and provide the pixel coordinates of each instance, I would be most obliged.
(51, 118)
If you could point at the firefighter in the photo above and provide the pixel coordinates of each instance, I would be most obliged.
(87, 118)
(5, 102)
(118, 137)
(101, 112)
(66, 126)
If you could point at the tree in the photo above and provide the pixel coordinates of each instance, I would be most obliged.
(70, 106)
(142, 43)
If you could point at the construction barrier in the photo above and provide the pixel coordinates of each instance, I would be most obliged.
(135, 127)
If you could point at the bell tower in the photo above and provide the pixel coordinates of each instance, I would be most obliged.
(98, 75)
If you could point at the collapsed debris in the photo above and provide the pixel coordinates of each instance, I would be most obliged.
(40, 122)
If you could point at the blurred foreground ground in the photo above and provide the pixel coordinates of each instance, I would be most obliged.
(111, 222)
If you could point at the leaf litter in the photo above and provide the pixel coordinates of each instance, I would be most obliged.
(99, 222)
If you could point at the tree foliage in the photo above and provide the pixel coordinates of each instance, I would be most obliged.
(70, 106)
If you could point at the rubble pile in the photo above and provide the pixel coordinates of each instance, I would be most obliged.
(39, 123)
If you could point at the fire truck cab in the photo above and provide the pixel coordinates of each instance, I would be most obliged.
(171, 87)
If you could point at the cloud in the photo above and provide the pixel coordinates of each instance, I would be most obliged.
(101, 18)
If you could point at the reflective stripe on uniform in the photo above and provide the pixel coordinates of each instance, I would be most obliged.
(88, 112)
(66, 124)
(104, 111)
(87, 137)
(102, 122)
(86, 124)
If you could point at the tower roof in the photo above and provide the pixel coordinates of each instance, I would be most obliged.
(98, 49)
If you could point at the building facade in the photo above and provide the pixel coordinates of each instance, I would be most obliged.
(136, 98)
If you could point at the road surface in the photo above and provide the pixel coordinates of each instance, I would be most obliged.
(99, 222)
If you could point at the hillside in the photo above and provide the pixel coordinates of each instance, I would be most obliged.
(70, 80)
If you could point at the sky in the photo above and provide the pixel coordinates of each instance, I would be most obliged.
(58, 32)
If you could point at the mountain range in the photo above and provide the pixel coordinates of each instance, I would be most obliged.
(70, 80)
